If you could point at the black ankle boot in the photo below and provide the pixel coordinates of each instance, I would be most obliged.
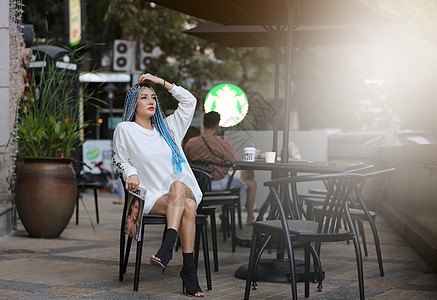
(165, 252)
(190, 283)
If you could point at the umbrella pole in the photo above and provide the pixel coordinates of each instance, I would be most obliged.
(275, 119)
(288, 49)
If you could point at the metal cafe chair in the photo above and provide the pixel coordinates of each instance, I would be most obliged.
(309, 233)
(359, 211)
(229, 201)
(212, 199)
(201, 229)
(82, 185)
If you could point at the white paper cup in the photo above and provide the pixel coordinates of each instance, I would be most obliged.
(270, 157)
(249, 153)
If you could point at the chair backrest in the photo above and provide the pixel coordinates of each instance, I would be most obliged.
(335, 205)
(203, 178)
(204, 166)
(373, 189)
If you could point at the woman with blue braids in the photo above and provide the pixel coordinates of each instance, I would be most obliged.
(148, 153)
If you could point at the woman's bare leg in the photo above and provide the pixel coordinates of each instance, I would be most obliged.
(187, 230)
(180, 208)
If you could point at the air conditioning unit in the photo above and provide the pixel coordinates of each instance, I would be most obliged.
(146, 55)
(124, 55)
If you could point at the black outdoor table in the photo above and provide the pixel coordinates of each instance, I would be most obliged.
(304, 166)
(277, 270)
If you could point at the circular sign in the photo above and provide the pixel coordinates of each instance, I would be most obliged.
(229, 101)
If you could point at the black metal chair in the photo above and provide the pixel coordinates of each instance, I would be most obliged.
(229, 201)
(359, 211)
(309, 233)
(201, 229)
(81, 186)
(204, 183)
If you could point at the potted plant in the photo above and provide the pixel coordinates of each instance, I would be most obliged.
(47, 134)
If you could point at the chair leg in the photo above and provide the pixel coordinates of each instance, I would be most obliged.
(121, 264)
(363, 237)
(97, 205)
(240, 221)
(292, 267)
(317, 267)
(359, 266)
(233, 233)
(197, 245)
(307, 270)
(206, 255)
(138, 260)
(126, 256)
(225, 221)
(252, 262)
(123, 261)
(377, 246)
(214, 241)
(228, 215)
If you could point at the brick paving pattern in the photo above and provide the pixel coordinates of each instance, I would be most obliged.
(83, 263)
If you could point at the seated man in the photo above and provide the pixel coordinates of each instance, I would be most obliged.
(219, 154)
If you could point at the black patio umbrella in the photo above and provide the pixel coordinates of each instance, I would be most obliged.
(258, 36)
(275, 16)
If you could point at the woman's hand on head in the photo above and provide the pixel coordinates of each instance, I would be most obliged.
(149, 78)
(132, 183)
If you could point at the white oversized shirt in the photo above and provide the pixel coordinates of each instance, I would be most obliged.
(144, 152)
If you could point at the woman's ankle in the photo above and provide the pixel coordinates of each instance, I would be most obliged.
(165, 252)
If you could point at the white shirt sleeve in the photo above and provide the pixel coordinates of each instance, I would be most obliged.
(120, 158)
(180, 120)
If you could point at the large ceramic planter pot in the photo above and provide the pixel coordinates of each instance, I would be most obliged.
(45, 195)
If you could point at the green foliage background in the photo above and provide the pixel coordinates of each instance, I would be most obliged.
(198, 62)
(328, 81)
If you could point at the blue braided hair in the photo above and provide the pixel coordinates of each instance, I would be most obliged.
(158, 121)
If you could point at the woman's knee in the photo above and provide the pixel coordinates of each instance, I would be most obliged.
(190, 208)
(177, 188)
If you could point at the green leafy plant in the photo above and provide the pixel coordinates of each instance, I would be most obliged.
(49, 123)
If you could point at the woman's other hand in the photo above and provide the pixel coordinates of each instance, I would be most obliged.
(149, 78)
(132, 183)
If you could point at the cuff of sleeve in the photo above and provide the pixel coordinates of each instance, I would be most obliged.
(129, 172)
(174, 89)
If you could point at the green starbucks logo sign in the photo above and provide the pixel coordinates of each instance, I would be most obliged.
(229, 101)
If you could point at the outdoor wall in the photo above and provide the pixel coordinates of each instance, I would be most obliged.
(410, 202)
(4, 94)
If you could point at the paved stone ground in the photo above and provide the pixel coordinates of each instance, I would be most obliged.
(83, 263)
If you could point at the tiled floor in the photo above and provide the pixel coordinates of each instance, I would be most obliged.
(83, 263)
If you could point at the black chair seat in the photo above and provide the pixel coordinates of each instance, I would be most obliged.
(311, 234)
(304, 230)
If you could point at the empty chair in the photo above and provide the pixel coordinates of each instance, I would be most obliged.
(359, 211)
(309, 233)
